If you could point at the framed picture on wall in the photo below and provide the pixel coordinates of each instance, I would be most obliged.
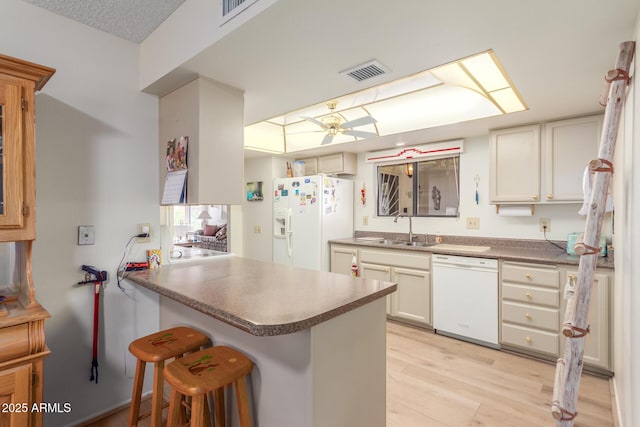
(254, 191)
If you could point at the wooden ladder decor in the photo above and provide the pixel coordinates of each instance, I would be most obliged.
(575, 328)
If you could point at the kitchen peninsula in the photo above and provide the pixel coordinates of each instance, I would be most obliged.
(317, 338)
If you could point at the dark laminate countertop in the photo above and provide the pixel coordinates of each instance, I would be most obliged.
(506, 249)
(258, 297)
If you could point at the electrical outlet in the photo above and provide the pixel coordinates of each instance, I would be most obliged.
(473, 223)
(365, 220)
(144, 229)
(545, 225)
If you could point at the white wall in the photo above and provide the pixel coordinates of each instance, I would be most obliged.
(96, 147)
(192, 28)
(259, 213)
(626, 300)
(474, 160)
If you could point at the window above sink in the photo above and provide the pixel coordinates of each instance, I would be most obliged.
(426, 188)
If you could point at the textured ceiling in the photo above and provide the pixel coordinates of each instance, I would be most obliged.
(132, 20)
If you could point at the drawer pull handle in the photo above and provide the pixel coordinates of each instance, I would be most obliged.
(528, 295)
(528, 316)
(572, 276)
(535, 197)
(528, 276)
(528, 340)
(549, 196)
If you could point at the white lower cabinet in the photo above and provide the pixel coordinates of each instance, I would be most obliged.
(532, 306)
(377, 272)
(342, 258)
(597, 345)
(410, 270)
(533, 310)
(530, 316)
(413, 299)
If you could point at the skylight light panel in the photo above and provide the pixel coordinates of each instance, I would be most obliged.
(486, 71)
(507, 100)
(467, 89)
(265, 137)
(454, 75)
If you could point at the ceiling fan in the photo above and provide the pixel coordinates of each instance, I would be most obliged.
(334, 124)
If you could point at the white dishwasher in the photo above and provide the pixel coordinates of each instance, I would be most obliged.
(465, 298)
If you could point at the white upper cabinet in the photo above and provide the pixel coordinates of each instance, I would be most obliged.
(515, 165)
(339, 163)
(211, 115)
(543, 163)
(569, 146)
(332, 164)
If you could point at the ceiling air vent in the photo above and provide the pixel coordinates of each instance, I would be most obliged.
(231, 8)
(366, 71)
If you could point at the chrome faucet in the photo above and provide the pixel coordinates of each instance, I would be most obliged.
(410, 224)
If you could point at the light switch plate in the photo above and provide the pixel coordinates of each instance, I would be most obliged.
(86, 235)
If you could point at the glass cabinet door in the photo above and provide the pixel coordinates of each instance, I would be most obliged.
(11, 170)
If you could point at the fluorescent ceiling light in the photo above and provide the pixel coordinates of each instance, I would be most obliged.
(470, 88)
(486, 72)
(507, 100)
(454, 75)
(264, 136)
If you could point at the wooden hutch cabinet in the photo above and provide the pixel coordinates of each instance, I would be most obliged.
(22, 343)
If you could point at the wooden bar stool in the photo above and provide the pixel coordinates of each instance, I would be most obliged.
(157, 348)
(203, 372)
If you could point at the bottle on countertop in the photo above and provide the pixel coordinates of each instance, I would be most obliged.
(354, 266)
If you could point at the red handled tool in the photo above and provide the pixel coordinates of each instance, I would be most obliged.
(98, 278)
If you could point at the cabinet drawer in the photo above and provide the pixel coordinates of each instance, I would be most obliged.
(530, 315)
(396, 258)
(14, 341)
(538, 275)
(546, 342)
(531, 294)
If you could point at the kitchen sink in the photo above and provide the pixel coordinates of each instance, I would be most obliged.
(389, 242)
(404, 243)
(392, 242)
(417, 244)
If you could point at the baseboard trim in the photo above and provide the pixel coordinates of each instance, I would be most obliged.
(615, 405)
(109, 412)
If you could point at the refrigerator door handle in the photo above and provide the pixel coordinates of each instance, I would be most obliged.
(289, 232)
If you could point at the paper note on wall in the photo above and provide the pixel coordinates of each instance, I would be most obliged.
(175, 188)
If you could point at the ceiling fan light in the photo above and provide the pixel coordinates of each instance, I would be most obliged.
(332, 120)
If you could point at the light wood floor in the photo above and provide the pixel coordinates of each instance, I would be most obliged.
(438, 381)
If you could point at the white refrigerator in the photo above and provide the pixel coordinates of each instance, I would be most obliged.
(309, 211)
